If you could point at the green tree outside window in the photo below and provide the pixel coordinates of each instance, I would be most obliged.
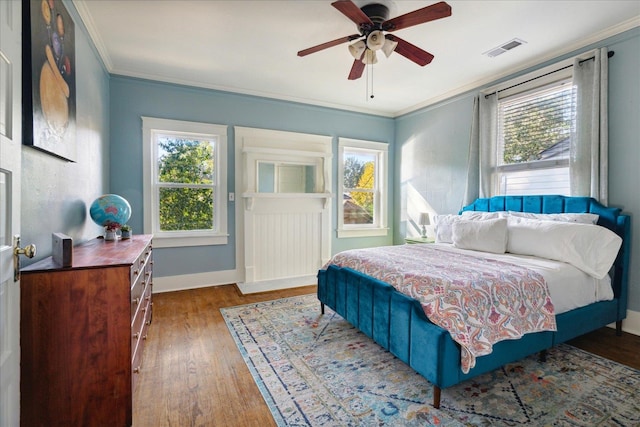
(186, 180)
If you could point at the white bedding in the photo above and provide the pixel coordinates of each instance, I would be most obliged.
(569, 287)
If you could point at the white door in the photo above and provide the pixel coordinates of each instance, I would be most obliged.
(10, 140)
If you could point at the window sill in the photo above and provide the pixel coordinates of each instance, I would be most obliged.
(176, 242)
(362, 232)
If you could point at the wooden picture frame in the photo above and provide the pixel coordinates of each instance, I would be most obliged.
(49, 78)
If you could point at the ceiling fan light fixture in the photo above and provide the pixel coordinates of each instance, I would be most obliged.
(357, 49)
(375, 40)
(389, 46)
(369, 57)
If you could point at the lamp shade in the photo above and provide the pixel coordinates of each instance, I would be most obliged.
(375, 40)
(389, 46)
(357, 49)
(370, 57)
(424, 219)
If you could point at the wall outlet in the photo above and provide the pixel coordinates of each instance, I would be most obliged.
(232, 197)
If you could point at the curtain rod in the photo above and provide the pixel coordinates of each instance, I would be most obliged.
(609, 55)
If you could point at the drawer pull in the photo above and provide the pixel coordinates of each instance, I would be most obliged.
(136, 370)
(136, 335)
(144, 337)
(136, 301)
(135, 272)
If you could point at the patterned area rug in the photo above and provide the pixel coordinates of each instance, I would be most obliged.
(318, 370)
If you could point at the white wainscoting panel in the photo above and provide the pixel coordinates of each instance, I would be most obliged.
(284, 238)
(285, 244)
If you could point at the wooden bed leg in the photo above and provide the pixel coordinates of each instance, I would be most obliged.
(321, 308)
(436, 396)
(619, 328)
(542, 357)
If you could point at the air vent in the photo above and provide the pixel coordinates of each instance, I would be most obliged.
(511, 44)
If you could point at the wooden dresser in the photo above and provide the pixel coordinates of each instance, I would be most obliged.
(82, 333)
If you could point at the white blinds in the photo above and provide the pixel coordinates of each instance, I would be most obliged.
(536, 125)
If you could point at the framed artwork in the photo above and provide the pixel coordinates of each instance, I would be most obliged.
(49, 78)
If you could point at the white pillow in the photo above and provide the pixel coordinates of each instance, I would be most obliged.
(489, 235)
(591, 248)
(443, 223)
(582, 218)
(479, 215)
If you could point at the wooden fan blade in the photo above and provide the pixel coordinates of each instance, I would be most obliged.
(351, 11)
(328, 44)
(356, 70)
(420, 16)
(411, 52)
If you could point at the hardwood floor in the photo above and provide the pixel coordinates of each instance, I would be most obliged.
(194, 375)
(192, 371)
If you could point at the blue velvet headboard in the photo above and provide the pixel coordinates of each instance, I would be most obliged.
(612, 218)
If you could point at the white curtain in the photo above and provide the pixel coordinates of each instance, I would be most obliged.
(482, 146)
(488, 136)
(471, 190)
(588, 167)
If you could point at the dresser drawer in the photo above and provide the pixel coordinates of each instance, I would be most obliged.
(139, 330)
(141, 272)
(137, 297)
(140, 318)
(138, 267)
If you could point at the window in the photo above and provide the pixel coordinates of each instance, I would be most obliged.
(544, 132)
(534, 134)
(185, 194)
(527, 128)
(362, 175)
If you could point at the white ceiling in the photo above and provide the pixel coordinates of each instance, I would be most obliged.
(251, 47)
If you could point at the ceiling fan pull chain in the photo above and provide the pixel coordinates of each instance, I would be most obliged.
(366, 90)
(371, 81)
(369, 72)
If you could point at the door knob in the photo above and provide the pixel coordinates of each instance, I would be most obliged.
(29, 251)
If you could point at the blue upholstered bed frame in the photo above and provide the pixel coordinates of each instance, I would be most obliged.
(398, 322)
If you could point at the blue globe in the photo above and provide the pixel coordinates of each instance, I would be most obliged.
(110, 210)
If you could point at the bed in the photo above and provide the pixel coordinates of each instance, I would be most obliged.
(399, 324)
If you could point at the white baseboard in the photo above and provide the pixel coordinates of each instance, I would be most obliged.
(273, 285)
(216, 278)
(194, 281)
(631, 324)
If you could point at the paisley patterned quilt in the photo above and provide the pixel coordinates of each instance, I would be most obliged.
(479, 301)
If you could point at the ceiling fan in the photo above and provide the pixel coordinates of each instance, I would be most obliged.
(372, 21)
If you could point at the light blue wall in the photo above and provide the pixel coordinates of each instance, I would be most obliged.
(133, 98)
(55, 193)
(432, 150)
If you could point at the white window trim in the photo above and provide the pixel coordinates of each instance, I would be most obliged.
(184, 238)
(382, 177)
